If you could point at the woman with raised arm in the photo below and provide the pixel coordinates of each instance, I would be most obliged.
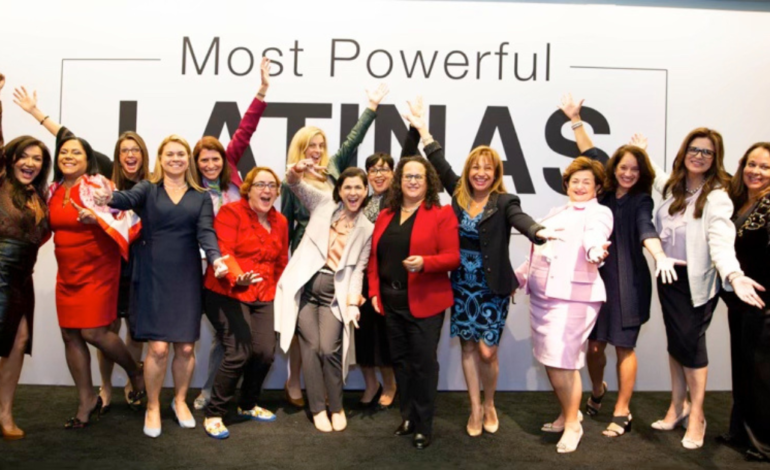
(750, 324)
(310, 142)
(694, 225)
(319, 293)
(255, 236)
(24, 167)
(484, 282)
(216, 169)
(414, 245)
(566, 291)
(626, 276)
(166, 299)
(89, 243)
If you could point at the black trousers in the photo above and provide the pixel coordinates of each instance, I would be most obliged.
(755, 376)
(247, 334)
(735, 313)
(413, 343)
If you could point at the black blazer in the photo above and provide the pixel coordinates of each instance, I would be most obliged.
(502, 212)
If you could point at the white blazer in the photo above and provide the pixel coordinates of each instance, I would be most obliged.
(710, 242)
(311, 255)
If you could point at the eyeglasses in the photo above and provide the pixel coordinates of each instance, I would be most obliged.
(379, 171)
(129, 151)
(414, 177)
(262, 185)
(705, 153)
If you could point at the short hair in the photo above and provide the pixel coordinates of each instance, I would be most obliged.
(248, 180)
(157, 174)
(378, 157)
(582, 164)
(351, 172)
(212, 143)
(117, 170)
(92, 167)
(646, 172)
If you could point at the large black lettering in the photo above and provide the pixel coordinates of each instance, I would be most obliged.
(127, 116)
(250, 61)
(348, 120)
(498, 118)
(437, 124)
(389, 122)
(566, 147)
(226, 113)
(186, 45)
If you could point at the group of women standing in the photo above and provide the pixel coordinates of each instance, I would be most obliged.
(376, 258)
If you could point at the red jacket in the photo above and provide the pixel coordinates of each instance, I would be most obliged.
(434, 237)
(241, 236)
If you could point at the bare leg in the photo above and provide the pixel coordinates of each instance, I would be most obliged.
(596, 360)
(10, 371)
(626, 379)
(370, 379)
(154, 372)
(295, 369)
(696, 381)
(182, 368)
(568, 388)
(79, 362)
(470, 362)
(679, 405)
(388, 386)
(105, 368)
(490, 369)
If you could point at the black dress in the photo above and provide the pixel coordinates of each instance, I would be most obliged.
(166, 290)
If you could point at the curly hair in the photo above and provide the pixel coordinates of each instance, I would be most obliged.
(395, 196)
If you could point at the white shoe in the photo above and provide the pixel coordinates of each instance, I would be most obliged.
(692, 444)
(339, 421)
(150, 432)
(184, 423)
(564, 447)
(661, 425)
(550, 427)
(202, 400)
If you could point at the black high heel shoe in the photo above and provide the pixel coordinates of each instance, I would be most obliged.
(135, 397)
(375, 399)
(94, 414)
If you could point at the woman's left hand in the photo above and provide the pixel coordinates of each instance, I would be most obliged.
(220, 268)
(414, 264)
(746, 289)
(598, 254)
(85, 216)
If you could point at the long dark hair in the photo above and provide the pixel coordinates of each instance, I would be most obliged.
(738, 191)
(396, 197)
(20, 193)
(212, 143)
(716, 177)
(646, 172)
(92, 167)
(118, 177)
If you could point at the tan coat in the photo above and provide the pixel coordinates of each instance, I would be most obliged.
(310, 256)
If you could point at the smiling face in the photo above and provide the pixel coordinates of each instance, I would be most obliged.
(263, 192)
(210, 164)
(352, 193)
(699, 156)
(29, 165)
(756, 173)
(482, 174)
(315, 148)
(73, 161)
(414, 185)
(174, 159)
(627, 172)
(582, 186)
(131, 158)
(380, 177)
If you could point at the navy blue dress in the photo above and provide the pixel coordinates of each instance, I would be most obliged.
(478, 313)
(166, 281)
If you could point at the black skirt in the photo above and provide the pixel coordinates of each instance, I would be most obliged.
(372, 349)
(685, 325)
(17, 292)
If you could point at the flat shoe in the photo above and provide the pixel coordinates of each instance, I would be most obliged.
(216, 429)
(257, 414)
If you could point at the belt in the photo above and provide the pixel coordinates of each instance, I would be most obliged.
(326, 270)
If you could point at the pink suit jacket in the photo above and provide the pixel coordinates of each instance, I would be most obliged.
(570, 275)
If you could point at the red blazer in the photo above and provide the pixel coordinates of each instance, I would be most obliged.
(436, 239)
(251, 248)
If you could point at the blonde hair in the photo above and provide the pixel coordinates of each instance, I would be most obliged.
(464, 189)
(157, 174)
(299, 144)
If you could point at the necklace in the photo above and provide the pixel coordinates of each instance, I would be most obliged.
(404, 209)
(693, 191)
(174, 187)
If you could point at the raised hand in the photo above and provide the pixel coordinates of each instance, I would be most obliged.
(417, 108)
(598, 254)
(310, 166)
(638, 140)
(248, 278)
(746, 289)
(664, 268)
(415, 121)
(25, 101)
(570, 108)
(376, 96)
(264, 72)
(102, 196)
(85, 216)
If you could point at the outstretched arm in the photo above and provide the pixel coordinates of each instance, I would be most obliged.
(572, 110)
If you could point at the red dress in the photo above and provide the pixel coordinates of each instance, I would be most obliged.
(89, 266)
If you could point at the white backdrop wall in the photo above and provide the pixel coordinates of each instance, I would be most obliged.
(659, 71)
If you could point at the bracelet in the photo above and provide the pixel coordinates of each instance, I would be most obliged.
(576, 125)
(427, 139)
(733, 276)
(43, 120)
(261, 95)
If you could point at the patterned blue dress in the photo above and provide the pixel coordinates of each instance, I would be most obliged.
(478, 313)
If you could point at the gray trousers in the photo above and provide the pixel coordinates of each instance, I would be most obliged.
(320, 342)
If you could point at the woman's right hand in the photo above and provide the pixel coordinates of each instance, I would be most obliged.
(638, 140)
(24, 100)
(308, 165)
(102, 196)
(248, 278)
(376, 304)
(570, 108)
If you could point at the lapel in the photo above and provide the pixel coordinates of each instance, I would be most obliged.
(353, 236)
(490, 208)
(319, 231)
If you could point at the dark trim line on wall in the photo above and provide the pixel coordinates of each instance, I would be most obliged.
(741, 5)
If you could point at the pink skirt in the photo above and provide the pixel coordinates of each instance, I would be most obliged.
(560, 328)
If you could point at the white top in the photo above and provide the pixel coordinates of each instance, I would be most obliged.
(673, 228)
